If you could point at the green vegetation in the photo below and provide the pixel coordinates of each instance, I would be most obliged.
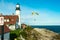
(26, 31)
(16, 33)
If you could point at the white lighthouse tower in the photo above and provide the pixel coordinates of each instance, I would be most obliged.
(18, 13)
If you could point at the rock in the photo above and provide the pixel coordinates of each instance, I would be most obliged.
(46, 34)
(41, 34)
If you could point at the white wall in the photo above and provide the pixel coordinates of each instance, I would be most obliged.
(18, 13)
(12, 27)
(17, 26)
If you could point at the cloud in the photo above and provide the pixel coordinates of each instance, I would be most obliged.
(46, 17)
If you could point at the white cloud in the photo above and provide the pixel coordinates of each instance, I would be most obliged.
(45, 18)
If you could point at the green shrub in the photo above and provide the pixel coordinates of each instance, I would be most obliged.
(23, 33)
(14, 34)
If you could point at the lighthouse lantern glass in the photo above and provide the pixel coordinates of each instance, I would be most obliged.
(17, 5)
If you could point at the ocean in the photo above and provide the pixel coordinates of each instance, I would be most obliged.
(52, 28)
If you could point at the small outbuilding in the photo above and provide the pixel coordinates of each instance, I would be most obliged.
(23, 26)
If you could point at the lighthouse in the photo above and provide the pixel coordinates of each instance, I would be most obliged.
(18, 13)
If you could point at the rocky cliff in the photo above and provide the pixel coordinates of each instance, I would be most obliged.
(38, 34)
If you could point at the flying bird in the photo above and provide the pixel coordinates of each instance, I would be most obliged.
(34, 14)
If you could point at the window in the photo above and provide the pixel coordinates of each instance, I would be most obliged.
(7, 20)
(4, 20)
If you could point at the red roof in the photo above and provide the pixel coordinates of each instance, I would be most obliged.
(12, 19)
(6, 29)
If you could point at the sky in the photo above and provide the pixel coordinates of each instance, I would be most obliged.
(49, 11)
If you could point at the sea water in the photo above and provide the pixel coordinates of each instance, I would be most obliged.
(52, 28)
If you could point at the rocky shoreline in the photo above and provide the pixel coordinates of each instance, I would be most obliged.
(40, 34)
